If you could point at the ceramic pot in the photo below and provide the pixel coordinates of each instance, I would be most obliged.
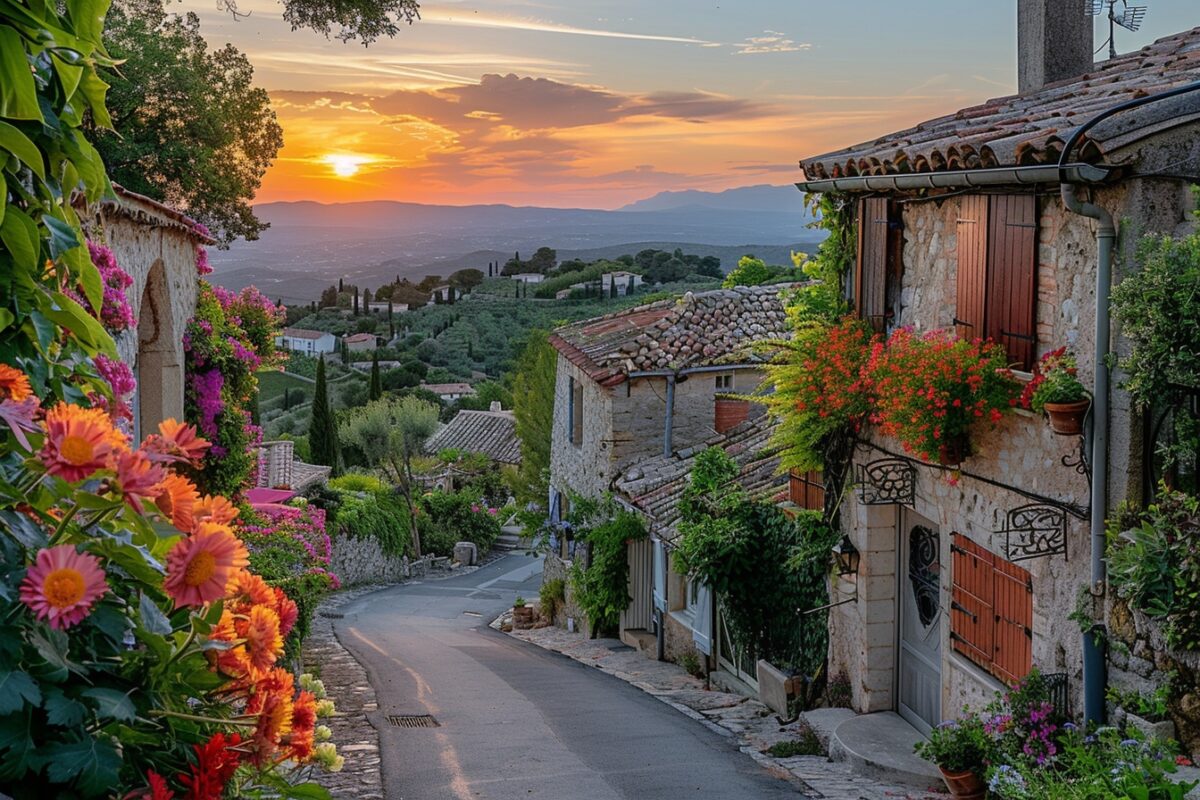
(1067, 418)
(964, 785)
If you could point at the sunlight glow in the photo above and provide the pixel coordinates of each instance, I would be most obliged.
(343, 165)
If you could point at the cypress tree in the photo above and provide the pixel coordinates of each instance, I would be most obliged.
(341, 286)
(376, 388)
(322, 430)
(356, 302)
(391, 309)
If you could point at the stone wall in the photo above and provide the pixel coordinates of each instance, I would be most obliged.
(554, 567)
(586, 468)
(361, 560)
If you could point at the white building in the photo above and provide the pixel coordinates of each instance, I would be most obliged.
(529, 277)
(311, 343)
(449, 392)
(381, 307)
(625, 282)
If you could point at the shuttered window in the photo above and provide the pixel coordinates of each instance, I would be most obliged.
(575, 409)
(807, 489)
(997, 273)
(878, 260)
(991, 616)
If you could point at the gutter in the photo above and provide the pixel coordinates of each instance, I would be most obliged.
(1041, 174)
(1095, 667)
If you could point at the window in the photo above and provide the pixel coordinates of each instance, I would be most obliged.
(724, 383)
(807, 489)
(997, 273)
(575, 411)
(877, 272)
(991, 616)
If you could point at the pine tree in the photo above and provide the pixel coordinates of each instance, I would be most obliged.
(376, 389)
(322, 430)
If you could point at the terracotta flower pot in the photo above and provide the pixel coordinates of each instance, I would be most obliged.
(964, 785)
(1067, 418)
(951, 452)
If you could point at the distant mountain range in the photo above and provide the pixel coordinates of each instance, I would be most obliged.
(310, 245)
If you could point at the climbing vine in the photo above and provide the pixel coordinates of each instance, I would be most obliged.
(602, 588)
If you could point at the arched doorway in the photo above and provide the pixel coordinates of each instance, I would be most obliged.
(159, 365)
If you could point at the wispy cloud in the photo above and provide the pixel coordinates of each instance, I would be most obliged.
(437, 16)
(769, 42)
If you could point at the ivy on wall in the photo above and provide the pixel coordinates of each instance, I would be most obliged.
(602, 587)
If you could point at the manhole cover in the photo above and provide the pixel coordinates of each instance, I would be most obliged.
(332, 615)
(414, 721)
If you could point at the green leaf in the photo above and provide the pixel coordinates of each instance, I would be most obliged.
(87, 18)
(70, 315)
(111, 704)
(16, 747)
(62, 236)
(21, 146)
(23, 529)
(94, 89)
(63, 711)
(20, 235)
(92, 764)
(111, 621)
(17, 689)
(153, 619)
(52, 646)
(18, 92)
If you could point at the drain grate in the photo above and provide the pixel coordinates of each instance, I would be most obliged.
(332, 615)
(414, 721)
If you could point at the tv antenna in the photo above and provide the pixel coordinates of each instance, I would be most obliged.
(1129, 17)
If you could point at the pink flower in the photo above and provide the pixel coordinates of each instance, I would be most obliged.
(62, 586)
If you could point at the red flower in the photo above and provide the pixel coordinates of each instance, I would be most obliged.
(215, 765)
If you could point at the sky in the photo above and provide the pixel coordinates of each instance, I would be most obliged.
(597, 103)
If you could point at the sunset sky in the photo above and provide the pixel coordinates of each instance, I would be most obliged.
(599, 103)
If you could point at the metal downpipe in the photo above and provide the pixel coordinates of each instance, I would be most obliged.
(668, 426)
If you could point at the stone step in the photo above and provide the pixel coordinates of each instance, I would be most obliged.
(508, 541)
(642, 640)
(880, 745)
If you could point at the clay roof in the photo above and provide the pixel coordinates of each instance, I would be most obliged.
(493, 433)
(302, 333)
(654, 487)
(1030, 128)
(360, 337)
(696, 330)
(448, 388)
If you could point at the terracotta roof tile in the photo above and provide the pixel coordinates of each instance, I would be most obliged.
(493, 433)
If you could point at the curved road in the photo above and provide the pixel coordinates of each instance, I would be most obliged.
(516, 721)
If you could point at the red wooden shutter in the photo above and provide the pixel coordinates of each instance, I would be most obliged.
(1013, 653)
(807, 489)
(969, 314)
(870, 280)
(971, 615)
(1012, 276)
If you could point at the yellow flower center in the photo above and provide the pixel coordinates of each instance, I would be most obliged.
(200, 569)
(63, 587)
(76, 450)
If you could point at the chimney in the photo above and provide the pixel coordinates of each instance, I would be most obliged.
(1054, 42)
(496, 406)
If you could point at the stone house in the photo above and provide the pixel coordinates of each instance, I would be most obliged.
(624, 282)
(649, 383)
(310, 343)
(157, 246)
(449, 392)
(967, 578)
(360, 342)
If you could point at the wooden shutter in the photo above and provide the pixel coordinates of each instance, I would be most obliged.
(972, 236)
(971, 615)
(1012, 276)
(577, 415)
(870, 277)
(1012, 655)
(807, 489)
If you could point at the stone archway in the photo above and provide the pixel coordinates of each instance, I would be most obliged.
(158, 365)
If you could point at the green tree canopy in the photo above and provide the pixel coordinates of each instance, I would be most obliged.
(322, 432)
(533, 407)
(365, 20)
(750, 271)
(195, 132)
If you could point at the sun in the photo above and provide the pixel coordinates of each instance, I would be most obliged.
(345, 165)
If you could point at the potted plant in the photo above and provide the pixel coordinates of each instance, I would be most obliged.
(1057, 391)
(522, 614)
(931, 389)
(960, 748)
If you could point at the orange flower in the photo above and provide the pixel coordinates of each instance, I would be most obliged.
(264, 644)
(250, 588)
(272, 703)
(177, 498)
(177, 441)
(14, 384)
(202, 566)
(304, 721)
(79, 441)
(287, 610)
(138, 478)
(215, 509)
(231, 661)
(62, 585)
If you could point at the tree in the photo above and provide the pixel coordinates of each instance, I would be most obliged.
(533, 407)
(322, 432)
(194, 130)
(376, 390)
(514, 265)
(390, 433)
(750, 271)
(544, 260)
(366, 20)
(355, 302)
(466, 278)
(710, 266)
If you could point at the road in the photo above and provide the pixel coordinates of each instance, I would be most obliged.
(516, 721)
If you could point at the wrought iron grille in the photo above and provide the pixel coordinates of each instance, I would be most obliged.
(1034, 531)
(1056, 685)
(888, 481)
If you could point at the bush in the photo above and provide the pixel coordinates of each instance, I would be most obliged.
(806, 743)
(959, 745)
(380, 515)
(602, 590)
(447, 518)
(550, 594)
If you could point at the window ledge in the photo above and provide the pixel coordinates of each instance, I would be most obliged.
(684, 616)
(977, 673)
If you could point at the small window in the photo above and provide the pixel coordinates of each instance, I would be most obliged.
(807, 489)
(576, 415)
(991, 617)
(724, 383)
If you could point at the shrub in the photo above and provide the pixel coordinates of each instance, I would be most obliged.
(379, 515)
(959, 745)
(550, 594)
(691, 663)
(602, 589)
(806, 743)
(447, 518)
(1055, 380)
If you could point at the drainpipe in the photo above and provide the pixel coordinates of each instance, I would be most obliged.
(1094, 663)
(670, 421)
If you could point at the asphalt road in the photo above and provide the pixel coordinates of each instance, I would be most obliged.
(516, 721)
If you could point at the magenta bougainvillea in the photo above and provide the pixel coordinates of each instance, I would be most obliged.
(120, 379)
(115, 312)
(202, 266)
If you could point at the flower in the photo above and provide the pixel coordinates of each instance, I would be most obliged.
(138, 478)
(158, 787)
(322, 733)
(272, 703)
(287, 610)
(304, 720)
(176, 441)
(18, 415)
(122, 383)
(79, 441)
(216, 761)
(264, 644)
(216, 509)
(202, 566)
(326, 755)
(63, 585)
(14, 384)
(176, 499)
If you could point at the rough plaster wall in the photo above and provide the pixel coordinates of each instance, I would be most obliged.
(588, 468)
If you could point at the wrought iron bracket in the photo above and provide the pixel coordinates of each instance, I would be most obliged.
(888, 481)
(1034, 531)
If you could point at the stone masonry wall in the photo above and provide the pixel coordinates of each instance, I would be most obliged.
(360, 560)
(586, 468)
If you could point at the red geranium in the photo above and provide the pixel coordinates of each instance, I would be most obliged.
(215, 764)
